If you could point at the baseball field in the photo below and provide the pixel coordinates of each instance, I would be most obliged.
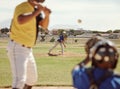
(52, 70)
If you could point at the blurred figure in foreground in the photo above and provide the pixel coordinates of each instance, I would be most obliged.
(104, 57)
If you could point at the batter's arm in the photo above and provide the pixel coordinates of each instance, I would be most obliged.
(23, 18)
(45, 21)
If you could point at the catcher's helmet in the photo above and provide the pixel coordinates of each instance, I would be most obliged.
(104, 51)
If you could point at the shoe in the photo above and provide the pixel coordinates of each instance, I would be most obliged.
(27, 87)
(49, 53)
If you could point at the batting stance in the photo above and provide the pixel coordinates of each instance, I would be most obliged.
(100, 75)
(22, 39)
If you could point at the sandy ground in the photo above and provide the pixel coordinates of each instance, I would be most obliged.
(47, 88)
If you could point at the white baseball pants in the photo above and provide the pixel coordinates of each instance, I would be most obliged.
(23, 65)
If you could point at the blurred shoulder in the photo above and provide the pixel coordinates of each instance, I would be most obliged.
(78, 70)
(22, 3)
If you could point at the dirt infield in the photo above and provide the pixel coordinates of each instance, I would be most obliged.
(47, 88)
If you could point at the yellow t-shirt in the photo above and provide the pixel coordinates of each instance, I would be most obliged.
(24, 34)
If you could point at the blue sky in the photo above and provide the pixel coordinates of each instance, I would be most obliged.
(95, 14)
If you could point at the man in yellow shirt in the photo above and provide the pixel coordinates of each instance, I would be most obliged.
(22, 38)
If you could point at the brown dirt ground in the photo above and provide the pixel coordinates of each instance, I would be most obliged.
(66, 54)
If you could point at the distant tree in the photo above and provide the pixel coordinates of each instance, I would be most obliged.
(116, 31)
(4, 30)
(71, 32)
(95, 32)
(60, 31)
(98, 32)
(109, 31)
